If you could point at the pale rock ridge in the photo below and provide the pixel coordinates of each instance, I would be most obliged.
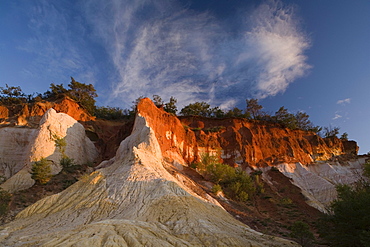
(29, 145)
(14, 149)
(318, 181)
(134, 201)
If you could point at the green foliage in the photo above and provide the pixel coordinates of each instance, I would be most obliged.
(5, 199)
(60, 143)
(236, 184)
(134, 106)
(253, 108)
(56, 91)
(197, 109)
(348, 223)
(330, 132)
(12, 95)
(285, 118)
(236, 112)
(215, 129)
(66, 162)
(157, 100)
(300, 231)
(41, 171)
(344, 136)
(111, 113)
(171, 107)
(216, 188)
(84, 94)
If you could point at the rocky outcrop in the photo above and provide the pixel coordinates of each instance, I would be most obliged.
(134, 201)
(22, 146)
(253, 143)
(318, 181)
(31, 114)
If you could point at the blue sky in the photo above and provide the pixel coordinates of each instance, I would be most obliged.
(311, 56)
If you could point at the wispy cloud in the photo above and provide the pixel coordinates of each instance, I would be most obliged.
(159, 47)
(344, 101)
(146, 47)
(337, 116)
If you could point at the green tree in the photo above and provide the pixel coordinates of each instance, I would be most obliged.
(84, 94)
(5, 199)
(348, 223)
(157, 100)
(235, 112)
(56, 91)
(197, 109)
(331, 132)
(217, 112)
(171, 107)
(12, 95)
(111, 113)
(253, 108)
(285, 118)
(344, 136)
(41, 171)
(300, 231)
(134, 105)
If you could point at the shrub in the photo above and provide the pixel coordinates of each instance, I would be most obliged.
(66, 162)
(41, 171)
(5, 198)
(300, 231)
(236, 183)
(216, 188)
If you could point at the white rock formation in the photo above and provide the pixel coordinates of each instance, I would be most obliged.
(318, 181)
(134, 201)
(14, 149)
(24, 146)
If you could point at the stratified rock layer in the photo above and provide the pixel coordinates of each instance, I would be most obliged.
(22, 146)
(318, 181)
(253, 143)
(134, 201)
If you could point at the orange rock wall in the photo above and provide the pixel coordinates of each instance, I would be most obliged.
(171, 135)
(238, 141)
(30, 114)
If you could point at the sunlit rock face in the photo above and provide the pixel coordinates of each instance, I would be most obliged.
(133, 201)
(30, 114)
(318, 181)
(22, 146)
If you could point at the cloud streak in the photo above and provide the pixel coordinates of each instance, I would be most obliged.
(344, 101)
(146, 47)
(160, 47)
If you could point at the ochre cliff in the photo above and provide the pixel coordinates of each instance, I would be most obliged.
(240, 142)
(133, 201)
(31, 114)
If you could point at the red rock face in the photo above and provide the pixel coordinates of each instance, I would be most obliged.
(171, 134)
(239, 141)
(31, 113)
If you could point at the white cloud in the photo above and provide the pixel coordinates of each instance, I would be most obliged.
(160, 47)
(344, 101)
(337, 116)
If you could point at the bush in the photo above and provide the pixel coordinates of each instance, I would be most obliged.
(66, 162)
(5, 198)
(216, 188)
(236, 184)
(348, 223)
(41, 171)
(300, 231)
(111, 113)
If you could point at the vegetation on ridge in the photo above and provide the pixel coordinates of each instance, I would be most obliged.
(85, 95)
